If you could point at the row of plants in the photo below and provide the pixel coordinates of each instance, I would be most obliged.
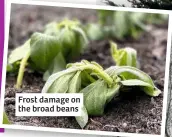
(62, 42)
(51, 52)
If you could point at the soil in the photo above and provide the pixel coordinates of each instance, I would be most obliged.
(135, 112)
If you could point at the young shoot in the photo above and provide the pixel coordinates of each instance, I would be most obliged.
(123, 57)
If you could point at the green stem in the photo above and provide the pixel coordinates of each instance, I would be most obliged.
(99, 71)
(21, 70)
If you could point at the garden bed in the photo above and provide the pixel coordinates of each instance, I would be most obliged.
(135, 112)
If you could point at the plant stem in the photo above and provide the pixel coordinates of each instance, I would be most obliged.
(21, 70)
(99, 72)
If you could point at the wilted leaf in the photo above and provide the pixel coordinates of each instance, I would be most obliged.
(127, 73)
(52, 29)
(56, 76)
(58, 64)
(19, 52)
(97, 95)
(83, 119)
(75, 83)
(133, 77)
(61, 85)
(44, 48)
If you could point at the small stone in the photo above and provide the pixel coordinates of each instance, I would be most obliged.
(124, 125)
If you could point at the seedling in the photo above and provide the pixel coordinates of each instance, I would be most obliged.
(98, 86)
(125, 56)
(119, 25)
(48, 52)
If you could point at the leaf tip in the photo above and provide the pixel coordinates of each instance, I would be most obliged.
(156, 92)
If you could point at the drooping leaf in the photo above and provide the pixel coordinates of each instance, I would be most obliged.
(75, 83)
(112, 92)
(72, 69)
(44, 48)
(61, 85)
(81, 32)
(57, 76)
(19, 52)
(80, 44)
(83, 119)
(128, 72)
(152, 91)
(97, 95)
(68, 40)
(135, 76)
(58, 64)
(135, 82)
(146, 87)
(52, 29)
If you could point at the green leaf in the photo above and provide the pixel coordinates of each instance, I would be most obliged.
(112, 92)
(83, 119)
(147, 88)
(57, 76)
(135, 82)
(68, 40)
(44, 48)
(5, 119)
(52, 29)
(97, 95)
(81, 32)
(19, 52)
(124, 57)
(61, 85)
(80, 44)
(121, 24)
(71, 36)
(133, 76)
(58, 64)
(128, 72)
(75, 83)
(94, 31)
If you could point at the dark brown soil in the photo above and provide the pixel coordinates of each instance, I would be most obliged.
(134, 112)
